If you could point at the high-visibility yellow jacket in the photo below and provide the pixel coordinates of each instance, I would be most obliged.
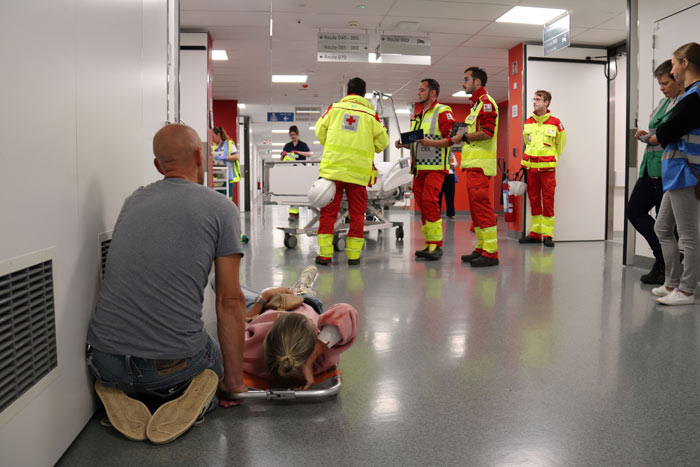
(222, 152)
(545, 139)
(430, 158)
(481, 154)
(351, 133)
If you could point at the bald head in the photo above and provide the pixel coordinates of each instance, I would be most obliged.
(178, 149)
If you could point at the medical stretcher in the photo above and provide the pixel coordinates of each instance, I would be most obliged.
(260, 388)
(287, 182)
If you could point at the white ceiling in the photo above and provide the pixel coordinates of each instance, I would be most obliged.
(462, 33)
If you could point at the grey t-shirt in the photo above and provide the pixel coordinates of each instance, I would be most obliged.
(163, 246)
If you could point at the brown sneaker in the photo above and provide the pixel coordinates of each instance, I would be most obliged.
(127, 415)
(175, 417)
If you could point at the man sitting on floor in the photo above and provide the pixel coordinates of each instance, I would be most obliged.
(146, 338)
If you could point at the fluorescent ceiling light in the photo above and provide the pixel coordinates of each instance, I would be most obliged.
(219, 55)
(403, 111)
(317, 142)
(530, 15)
(312, 127)
(289, 78)
(280, 131)
(308, 111)
(241, 106)
(277, 144)
(461, 94)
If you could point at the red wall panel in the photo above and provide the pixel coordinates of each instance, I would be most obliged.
(515, 124)
(460, 112)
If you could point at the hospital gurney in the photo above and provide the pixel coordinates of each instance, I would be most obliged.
(262, 390)
(288, 182)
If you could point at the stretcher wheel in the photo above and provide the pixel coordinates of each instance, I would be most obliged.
(399, 233)
(290, 241)
(338, 243)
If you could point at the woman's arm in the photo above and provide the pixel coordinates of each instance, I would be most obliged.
(684, 117)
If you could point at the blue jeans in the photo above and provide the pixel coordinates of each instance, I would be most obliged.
(154, 381)
(251, 295)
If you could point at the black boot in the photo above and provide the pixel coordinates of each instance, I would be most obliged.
(529, 239)
(470, 257)
(657, 275)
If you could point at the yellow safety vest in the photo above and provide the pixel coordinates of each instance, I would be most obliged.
(429, 158)
(234, 168)
(480, 154)
(545, 139)
(351, 133)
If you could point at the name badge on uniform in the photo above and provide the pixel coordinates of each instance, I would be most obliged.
(550, 132)
(471, 118)
(350, 122)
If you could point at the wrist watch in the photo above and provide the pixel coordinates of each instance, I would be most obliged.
(464, 138)
(261, 301)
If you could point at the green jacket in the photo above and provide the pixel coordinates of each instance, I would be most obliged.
(651, 163)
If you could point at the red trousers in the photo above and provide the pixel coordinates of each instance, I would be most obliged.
(540, 191)
(357, 205)
(426, 189)
(427, 185)
(480, 199)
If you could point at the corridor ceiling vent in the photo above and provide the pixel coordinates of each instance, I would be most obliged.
(307, 113)
(530, 15)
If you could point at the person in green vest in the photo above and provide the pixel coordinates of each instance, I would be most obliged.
(224, 149)
(648, 190)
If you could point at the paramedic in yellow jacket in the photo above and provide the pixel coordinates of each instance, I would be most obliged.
(224, 150)
(545, 139)
(351, 133)
(479, 165)
(432, 160)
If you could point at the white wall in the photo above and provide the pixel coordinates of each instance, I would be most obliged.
(650, 11)
(194, 82)
(82, 91)
(580, 100)
(620, 132)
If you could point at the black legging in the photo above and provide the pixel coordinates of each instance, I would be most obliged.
(647, 193)
(448, 188)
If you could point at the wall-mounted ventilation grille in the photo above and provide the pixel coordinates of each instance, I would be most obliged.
(27, 330)
(104, 240)
(307, 113)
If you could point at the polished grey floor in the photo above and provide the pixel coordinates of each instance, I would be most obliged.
(558, 357)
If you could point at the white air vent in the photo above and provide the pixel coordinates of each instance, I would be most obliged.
(104, 240)
(307, 113)
(27, 325)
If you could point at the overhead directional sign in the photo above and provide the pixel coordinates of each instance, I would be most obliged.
(280, 116)
(556, 35)
(404, 45)
(342, 47)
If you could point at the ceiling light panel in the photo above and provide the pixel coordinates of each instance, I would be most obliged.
(530, 15)
(289, 78)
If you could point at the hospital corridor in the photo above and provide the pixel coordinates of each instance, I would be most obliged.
(366, 233)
